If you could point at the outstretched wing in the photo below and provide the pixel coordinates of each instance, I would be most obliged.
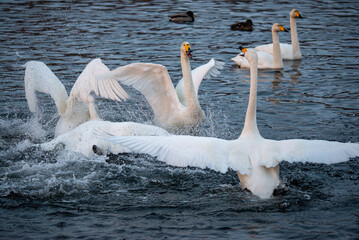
(315, 151)
(183, 151)
(205, 71)
(87, 82)
(39, 78)
(153, 81)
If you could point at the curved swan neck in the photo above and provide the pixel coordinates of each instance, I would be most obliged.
(277, 56)
(188, 82)
(250, 123)
(294, 38)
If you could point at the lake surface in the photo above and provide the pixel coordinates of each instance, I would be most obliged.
(64, 195)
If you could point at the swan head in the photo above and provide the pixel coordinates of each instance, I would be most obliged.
(186, 49)
(277, 27)
(295, 14)
(250, 54)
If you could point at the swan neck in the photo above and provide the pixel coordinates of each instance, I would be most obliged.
(294, 38)
(250, 124)
(191, 97)
(277, 56)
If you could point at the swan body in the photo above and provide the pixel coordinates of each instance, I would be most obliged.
(80, 106)
(82, 139)
(255, 158)
(243, 26)
(266, 60)
(171, 112)
(288, 51)
(182, 17)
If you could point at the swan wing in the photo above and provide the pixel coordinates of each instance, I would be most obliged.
(153, 81)
(285, 50)
(241, 61)
(183, 151)
(39, 78)
(205, 71)
(315, 151)
(87, 82)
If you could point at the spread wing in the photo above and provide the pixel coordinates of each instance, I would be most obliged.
(87, 82)
(315, 151)
(205, 71)
(183, 151)
(153, 81)
(39, 78)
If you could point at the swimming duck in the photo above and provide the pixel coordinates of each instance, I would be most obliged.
(182, 17)
(243, 26)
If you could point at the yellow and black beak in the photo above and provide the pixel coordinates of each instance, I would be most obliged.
(297, 14)
(244, 50)
(282, 29)
(188, 50)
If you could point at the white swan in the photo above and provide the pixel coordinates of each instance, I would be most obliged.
(80, 106)
(254, 158)
(82, 139)
(288, 51)
(266, 60)
(172, 112)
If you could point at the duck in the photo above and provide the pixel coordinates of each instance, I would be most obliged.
(243, 26)
(186, 17)
(266, 60)
(255, 159)
(83, 140)
(288, 51)
(176, 110)
(79, 106)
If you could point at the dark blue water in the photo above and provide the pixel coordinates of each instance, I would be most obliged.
(63, 195)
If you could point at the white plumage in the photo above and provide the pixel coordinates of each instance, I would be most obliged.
(266, 60)
(79, 106)
(288, 51)
(172, 112)
(254, 158)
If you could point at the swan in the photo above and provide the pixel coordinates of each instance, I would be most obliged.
(265, 60)
(243, 26)
(182, 17)
(80, 106)
(255, 158)
(82, 139)
(172, 112)
(289, 51)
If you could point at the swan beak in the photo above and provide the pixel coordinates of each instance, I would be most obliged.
(297, 14)
(188, 51)
(283, 29)
(244, 50)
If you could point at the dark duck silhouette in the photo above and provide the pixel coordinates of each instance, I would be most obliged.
(243, 26)
(182, 17)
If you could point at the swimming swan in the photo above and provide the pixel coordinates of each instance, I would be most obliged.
(171, 111)
(80, 106)
(82, 139)
(255, 158)
(288, 51)
(265, 60)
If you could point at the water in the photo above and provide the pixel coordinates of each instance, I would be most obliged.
(62, 195)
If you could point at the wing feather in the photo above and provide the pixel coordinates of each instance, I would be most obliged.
(315, 151)
(153, 81)
(183, 151)
(205, 71)
(39, 78)
(87, 82)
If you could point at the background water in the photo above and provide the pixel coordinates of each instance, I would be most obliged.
(62, 195)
